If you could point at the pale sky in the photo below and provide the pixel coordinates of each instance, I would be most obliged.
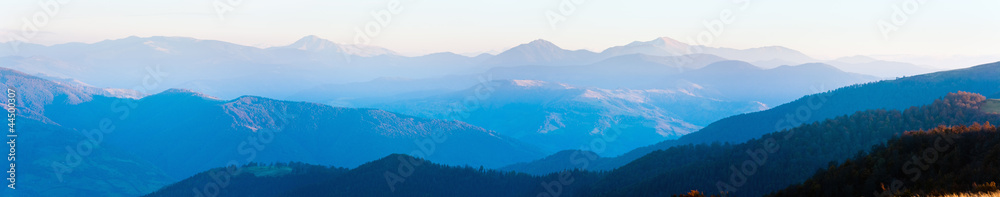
(823, 29)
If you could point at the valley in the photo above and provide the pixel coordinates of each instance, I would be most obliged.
(500, 98)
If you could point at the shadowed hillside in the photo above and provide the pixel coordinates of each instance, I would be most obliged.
(938, 161)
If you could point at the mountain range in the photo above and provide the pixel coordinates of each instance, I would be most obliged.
(230, 70)
(558, 116)
(651, 98)
(178, 133)
(895, 94)
(658, 117)
(665, 46)
(776, 160)
(196, 118)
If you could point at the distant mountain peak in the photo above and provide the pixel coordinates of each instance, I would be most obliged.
(483, 56)
(180, 92)
(666, 42)
(313, 43)
(542, 52)
(857, 59)
(662, 46)
(312, 37)
(539, 44)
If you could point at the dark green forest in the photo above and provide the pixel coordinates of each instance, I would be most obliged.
(943, 160)
(779, 159)
(393, 175)
(252, 179)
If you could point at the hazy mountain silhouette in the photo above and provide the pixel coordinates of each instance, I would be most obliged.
(558, 116)
(889, 94)
(216, 131)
